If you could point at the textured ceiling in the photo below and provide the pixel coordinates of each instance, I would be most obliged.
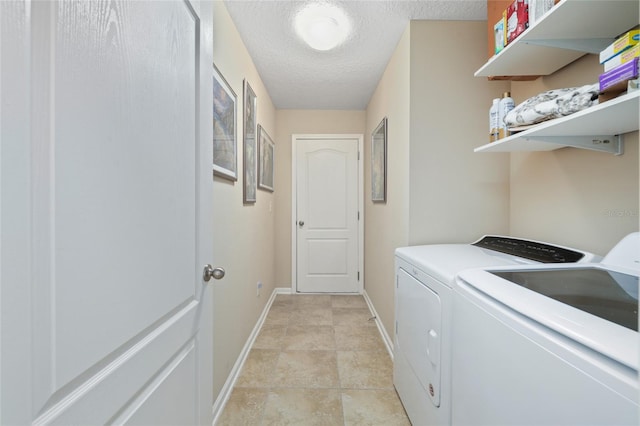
(298, 77)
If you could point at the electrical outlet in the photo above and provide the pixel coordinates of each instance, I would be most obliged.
(258, 287)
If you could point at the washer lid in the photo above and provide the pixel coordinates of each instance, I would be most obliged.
(610, 295)
(602, 335)
(626, 253)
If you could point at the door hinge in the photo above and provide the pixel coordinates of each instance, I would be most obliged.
(358, 275)
(358, 215)
(358, 155)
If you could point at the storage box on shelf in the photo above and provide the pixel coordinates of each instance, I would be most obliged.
(495, 13)
(620, 74)
(624, 42)
(619, 89)
(500, 35)
(517, 19)
(569, 30)
(624, 57)
(620, 60)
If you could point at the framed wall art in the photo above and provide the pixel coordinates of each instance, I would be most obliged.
(379, 163)
(250, 142)
(266, 151)
(225, 147)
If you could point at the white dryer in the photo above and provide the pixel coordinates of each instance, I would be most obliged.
(424, 280)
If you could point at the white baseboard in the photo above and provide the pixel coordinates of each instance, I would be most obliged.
(225, 392)
(383, 333)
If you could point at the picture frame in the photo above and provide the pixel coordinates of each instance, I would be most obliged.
(225, 146)
(379, 163)
(250, 107)
(266, 153)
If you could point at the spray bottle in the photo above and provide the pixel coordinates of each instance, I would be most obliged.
(506, 104)
(493, 121)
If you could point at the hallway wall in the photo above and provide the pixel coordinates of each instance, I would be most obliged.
(386, 225)
(243, 234)
(439, 190)
(456, 195)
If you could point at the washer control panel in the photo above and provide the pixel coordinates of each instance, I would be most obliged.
(533, 250)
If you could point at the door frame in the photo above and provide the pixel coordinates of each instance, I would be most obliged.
(294, 201)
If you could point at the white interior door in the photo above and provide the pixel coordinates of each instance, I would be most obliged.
(327, 214)
(105, 212)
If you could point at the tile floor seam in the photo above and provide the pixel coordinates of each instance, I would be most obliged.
(344, 412)
(335, 345)
(264, 408)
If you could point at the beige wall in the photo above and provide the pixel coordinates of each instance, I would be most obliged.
(243, 234)
(290, 122)
(386, 224)
(572, 196)
(456, 195)
(438, 189)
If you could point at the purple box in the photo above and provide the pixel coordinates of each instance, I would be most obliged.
(627, 71)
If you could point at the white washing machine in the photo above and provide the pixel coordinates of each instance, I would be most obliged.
(548, 344)
(424, 280)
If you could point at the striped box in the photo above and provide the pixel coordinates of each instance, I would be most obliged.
(627, 71)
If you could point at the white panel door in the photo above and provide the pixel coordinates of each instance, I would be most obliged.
(105, 212)
(327, 215)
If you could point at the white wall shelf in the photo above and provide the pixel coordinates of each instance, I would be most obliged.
(596, 128)
(565, 33)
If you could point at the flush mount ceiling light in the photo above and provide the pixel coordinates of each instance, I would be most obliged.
(322, 26)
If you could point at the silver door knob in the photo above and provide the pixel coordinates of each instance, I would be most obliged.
(301, 223)
(211, 272)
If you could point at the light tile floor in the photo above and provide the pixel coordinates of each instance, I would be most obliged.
(318, 360)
